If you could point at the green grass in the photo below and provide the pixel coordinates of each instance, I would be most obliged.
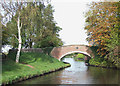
(42, 63)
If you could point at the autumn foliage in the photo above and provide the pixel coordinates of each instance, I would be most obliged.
(102, 25)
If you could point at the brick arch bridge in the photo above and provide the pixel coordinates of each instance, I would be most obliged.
(60, 52)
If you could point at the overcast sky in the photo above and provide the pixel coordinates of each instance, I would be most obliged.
(69, 14)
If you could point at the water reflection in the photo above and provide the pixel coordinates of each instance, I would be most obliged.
(78, 73)
(76, 66)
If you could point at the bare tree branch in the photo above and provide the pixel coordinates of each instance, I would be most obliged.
(15, 36)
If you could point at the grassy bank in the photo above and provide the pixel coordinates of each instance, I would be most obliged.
(31, 64)
(99, 61)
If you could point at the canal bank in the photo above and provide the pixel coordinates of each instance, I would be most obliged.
(102, 62)
(78, 73)
(99, 60)
(31, 65)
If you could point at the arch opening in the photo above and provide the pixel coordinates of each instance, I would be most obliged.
(84, 53)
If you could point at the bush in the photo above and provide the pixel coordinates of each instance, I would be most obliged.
(101, 62)
(79, 57)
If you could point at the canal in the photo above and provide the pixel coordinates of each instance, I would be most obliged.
(78, 73)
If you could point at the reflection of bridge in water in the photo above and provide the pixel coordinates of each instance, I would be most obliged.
(60, 52)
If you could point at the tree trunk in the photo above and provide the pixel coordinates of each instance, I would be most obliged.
(19, 40)
(30, 43)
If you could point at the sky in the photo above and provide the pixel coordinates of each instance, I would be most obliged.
(70, 16)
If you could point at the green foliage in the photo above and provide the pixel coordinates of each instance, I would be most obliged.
(40, 62)
(79, 57)
(101, 62)
(49, 41)
(98, 60)
(12, 55)
(47, 50)
(4, 35)
(76, 56)
(103, 29)
(113, 49)
(38, 27)
(94, 51)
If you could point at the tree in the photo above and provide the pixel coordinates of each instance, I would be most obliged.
(103, 28)
(50, 36)
(38, 26)
(0, 31)
(10, 10)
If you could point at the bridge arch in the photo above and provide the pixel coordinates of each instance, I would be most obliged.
(59, 52)
(84, 53)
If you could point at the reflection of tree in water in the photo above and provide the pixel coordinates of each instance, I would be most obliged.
(104, 75)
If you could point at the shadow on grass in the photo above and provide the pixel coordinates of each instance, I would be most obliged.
(31, 57)
(9, 65)
(25, 58)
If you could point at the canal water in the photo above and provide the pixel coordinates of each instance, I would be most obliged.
(78, 73)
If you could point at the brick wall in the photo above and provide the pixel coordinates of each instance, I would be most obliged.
(58, 52)
(28, 50)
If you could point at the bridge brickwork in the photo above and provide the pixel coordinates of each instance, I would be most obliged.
(59, 52)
